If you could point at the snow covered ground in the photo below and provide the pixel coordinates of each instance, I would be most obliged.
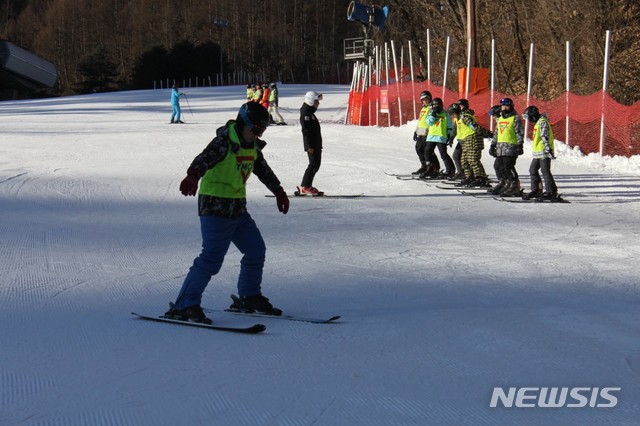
(443, 297)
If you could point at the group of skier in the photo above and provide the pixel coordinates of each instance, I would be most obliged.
(439, 128)
(267, 96)
(219, 175)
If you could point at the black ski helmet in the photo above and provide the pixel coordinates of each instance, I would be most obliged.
(531, 113)
(507, 102)
(454, 109)
(494, 111)
(426, 95)
(254, 116)
(436, 105)
(464, 104)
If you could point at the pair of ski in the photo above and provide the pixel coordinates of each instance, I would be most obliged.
(253, 329)
(457, 186)
(320, 194)
(410, 176)
(488, 195)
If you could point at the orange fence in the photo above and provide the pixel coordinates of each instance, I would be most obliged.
(621, 123)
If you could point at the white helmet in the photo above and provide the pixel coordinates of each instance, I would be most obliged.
(311, 97)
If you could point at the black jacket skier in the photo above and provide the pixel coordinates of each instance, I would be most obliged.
(311, 135)
(312, 140)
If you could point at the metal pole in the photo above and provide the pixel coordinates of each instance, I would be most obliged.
(468, 76)
(377, 50)
(369, 80)
(386, 67)
(567, 121)
(446, 65)
(428, 59)
(413, 82)
(493, 73)
(605, 80)
(395, 67)
(529, 84)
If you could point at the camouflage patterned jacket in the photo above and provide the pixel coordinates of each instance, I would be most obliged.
(213, 154)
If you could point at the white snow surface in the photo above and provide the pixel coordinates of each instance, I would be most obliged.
(443, 297)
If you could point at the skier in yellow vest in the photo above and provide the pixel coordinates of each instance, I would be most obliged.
(440, 129)
(257, 93)
(506, 146)
(470, 138)
(249, 92)
(542, 151)
(222, 171)
(276, 118)
(420, 135)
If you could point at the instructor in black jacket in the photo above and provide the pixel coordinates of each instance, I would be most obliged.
(312, 141)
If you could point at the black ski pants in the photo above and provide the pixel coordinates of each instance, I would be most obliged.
(433, 159)
(315, 160)
(505, 168)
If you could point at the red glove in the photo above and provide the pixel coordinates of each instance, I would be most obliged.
(282, 201)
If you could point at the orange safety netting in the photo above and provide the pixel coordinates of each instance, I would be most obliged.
(585, 114)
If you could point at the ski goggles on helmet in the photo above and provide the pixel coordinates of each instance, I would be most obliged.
(506, 102)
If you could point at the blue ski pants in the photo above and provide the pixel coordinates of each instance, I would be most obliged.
(217, 235)
(176, 112)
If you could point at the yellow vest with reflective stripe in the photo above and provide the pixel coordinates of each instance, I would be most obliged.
(506, 130)
(537, 144)
(228, 178)
(422, 127)
(439, 128)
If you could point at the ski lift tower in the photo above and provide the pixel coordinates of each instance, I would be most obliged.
(362, 48)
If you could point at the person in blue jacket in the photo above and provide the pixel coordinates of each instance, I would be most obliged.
(175, 105)
(440, 128)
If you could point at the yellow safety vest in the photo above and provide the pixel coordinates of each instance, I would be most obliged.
(506, 130)
(227, 179)
(463, 131)
(537, 145)
(422, 128)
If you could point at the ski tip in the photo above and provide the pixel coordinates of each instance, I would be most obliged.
(335, 318)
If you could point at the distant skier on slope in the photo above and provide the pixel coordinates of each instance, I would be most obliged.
(175, 105)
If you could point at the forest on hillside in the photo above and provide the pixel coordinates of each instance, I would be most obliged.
(128, 44)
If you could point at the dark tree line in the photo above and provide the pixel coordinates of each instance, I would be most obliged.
(116, 44)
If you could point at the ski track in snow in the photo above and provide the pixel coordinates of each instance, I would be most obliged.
(443, 296)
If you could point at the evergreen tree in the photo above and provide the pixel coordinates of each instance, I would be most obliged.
(98, 73)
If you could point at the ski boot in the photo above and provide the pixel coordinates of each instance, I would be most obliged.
(549, 196)
(536, 193)
(512, 189)
(310, 190)
(192, 313)
(498, 188)
(480, 182)
(256, 303)
(419, 171)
